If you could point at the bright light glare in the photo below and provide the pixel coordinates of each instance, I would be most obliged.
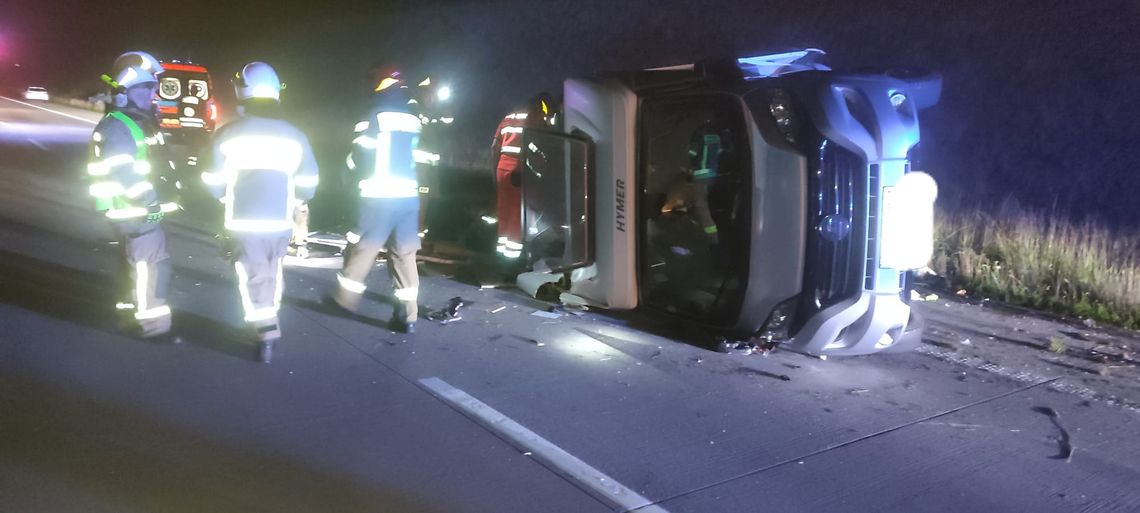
(908, 222)
(444, 93)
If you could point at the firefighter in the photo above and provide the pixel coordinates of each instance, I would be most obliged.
(383, 162)
(262, 168)
(507, 152)
(706, 147)
(124, 159)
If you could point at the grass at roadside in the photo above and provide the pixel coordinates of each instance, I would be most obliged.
(1040, 261)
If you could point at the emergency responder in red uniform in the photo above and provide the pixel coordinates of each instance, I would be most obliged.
(123, 163)
(383, 161)
(262, 167)
(506, 149)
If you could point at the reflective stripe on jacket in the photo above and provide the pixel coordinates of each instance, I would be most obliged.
(384, 150)
(262, 168)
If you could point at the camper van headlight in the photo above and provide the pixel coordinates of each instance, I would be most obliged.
(783, 114)
(780, 320)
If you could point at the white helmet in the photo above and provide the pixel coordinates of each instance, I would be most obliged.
(257, 80)
(134, 68)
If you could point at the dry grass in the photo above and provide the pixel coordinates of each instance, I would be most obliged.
(1044, 262)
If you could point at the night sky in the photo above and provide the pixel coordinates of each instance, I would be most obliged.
(1040, 102)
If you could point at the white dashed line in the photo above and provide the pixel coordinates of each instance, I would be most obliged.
(590, 479)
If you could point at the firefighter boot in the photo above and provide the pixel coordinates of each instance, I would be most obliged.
(399, 322)
(266, 333)
(156, 329)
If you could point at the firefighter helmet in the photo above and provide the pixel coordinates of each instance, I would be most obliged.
(131, 69)
(542, 107)
(388, 77)
(257, 80)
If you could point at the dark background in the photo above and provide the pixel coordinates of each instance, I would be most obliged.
(1040, 103)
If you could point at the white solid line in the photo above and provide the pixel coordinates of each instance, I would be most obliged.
(592, 480)
(88, 121)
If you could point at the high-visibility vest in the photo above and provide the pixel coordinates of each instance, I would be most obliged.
(116, 193)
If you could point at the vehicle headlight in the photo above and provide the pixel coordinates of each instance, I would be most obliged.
(784, 114)
(780, 320)
(898, 99)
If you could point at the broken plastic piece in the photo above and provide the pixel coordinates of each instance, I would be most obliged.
(453, 306)
(448, 314)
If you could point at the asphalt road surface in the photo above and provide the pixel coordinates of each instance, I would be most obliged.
(501, 411)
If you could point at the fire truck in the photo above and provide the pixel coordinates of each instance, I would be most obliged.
(764, 198)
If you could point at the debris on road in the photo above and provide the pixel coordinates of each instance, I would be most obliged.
(858, 391)
(546, 315)
(498, 309)
(570, 310)
(738, 347)
(534, 341)
(917, 296)
(448, 314)
(1066, 441)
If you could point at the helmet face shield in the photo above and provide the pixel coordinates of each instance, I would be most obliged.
(140, 60)
(142, 95)
(134, 75)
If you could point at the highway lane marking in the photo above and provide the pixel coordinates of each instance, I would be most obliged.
(876, 434)
(88, 121)
(590, 479)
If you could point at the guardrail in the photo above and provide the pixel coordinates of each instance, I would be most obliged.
(79, 104)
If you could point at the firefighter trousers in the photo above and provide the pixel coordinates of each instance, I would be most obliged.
(508, 208)
(391, 225)
(260, 278)
(144, 275)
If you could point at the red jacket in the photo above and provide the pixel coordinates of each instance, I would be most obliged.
(507, 145)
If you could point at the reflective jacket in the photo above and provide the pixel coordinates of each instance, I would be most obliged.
(261, 169)
(508, 140)
(383, 152)
(120, 165)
